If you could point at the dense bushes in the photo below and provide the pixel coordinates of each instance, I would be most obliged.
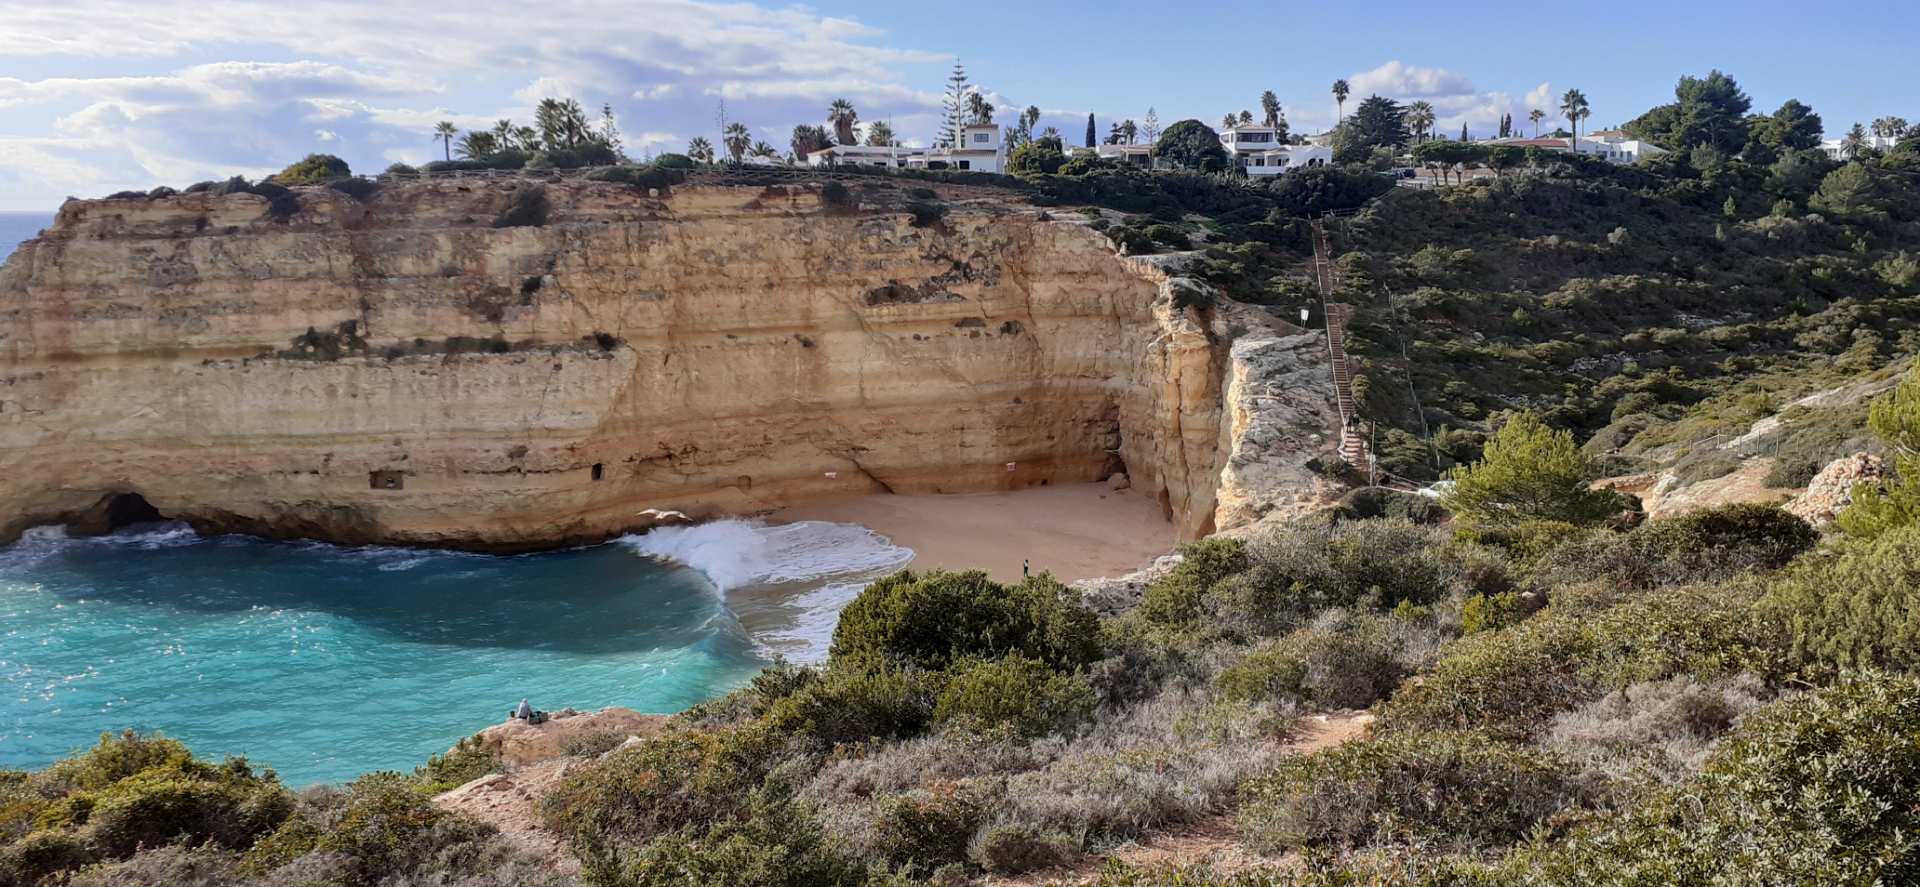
(654, 176)
(1858, 607)
(126, 793)
(931, 620)
(1022, 696)
(1817, 789)
(1459, 790)
(1514, 680)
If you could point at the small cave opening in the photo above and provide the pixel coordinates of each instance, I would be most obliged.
(599, 470)
(113, 512)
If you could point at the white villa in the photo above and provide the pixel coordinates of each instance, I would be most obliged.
(1835, 147)
(980, 150)
(1612, 146)
(1258, 151)
(1134, 155)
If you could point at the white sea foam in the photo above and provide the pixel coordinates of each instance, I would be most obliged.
(738, 553)
(825, 564)
(38, 543)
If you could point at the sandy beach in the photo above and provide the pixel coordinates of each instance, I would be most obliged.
(1077, 531)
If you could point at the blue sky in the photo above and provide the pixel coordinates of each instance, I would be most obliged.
(103, 95)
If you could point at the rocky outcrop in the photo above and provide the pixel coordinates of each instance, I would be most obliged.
(396, 369)
(1831, 491)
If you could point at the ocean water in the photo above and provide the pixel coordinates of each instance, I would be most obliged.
(16, 227)
(324, 662)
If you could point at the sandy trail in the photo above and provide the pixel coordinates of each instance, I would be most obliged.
(1077, 531)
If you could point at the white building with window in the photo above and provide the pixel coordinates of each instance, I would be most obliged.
(1131, 155)
(1258, 151)
(980, 150)
(892, 157)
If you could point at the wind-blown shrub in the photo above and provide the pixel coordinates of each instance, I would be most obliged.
(1345, 666)
(779, 845)
(1021, 696)
(686, 778)
(1175, 598)
(1816, 789)
(1453, 789)
(1858, 607)
(314, 169)
(1513, 681)
(856, 704)
(1654, 732)
(932, 619)
(1529, 472)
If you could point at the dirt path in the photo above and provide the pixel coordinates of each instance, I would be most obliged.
(1213, 840)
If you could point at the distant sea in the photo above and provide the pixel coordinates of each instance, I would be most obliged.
(17, 227)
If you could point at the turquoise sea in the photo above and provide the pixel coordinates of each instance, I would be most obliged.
(324, 662)
(16, 227)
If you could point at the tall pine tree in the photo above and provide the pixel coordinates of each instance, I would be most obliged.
(1091, 132)
(954, 107)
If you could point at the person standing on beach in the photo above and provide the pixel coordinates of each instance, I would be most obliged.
(1026, 568)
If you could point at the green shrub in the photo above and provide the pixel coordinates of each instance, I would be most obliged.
(401, 169)
(1744, 535)
(1175, 598)
(1513, 680)
(1461, 790)
(1169, 237)
(228, 808)
(1883, 507)
(835, 194)
(526, 208)
(778, 845)
(1858, 607)
(932, 619)
(1010, 848)
(358, 189)
(314, 169)
(1274, 672)
(1366, 503)
(388, 826)
(1016, 695)
(467, 761)
(1815, 789)
(654, 176)
(857, 704)
(1348, 666)
(686, 778)
(924, 830)
(1483, 612)
(41, 855)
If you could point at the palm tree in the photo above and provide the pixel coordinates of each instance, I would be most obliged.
(1228, 121)
(700, 150)
(503, 133)
(762, 149)
(1269, 109)
(477, 144)
(1891, 129)
(526, 137)
(979, 109)
(1536, 115)
(843, 117)
(1855, 143)
(1129, 131)
(1030, 117)
(736, 138)
(1574, 106)
(445, 131)
(879, 134)
(1340, 92)
(1420, 119)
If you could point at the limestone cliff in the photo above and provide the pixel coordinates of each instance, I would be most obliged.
(397, 369)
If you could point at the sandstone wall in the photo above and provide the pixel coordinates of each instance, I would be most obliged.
(398, 370)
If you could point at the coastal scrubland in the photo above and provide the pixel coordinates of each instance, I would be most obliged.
(1563, 694)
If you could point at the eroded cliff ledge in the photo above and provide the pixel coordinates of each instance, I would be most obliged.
(395, 369)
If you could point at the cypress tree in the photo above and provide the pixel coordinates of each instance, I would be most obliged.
(1090, 131)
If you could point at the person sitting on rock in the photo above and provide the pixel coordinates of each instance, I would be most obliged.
(523, 713)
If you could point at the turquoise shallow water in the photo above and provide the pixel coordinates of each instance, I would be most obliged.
(325, 662)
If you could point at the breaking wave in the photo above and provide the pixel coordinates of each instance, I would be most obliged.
(787, 582)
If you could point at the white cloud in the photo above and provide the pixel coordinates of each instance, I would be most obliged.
(1398, 80)
(370, 80)
(1541, 97)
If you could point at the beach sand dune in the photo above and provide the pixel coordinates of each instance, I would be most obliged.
(1076, 531)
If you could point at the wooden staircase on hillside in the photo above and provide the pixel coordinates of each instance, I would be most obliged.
(1353, 444)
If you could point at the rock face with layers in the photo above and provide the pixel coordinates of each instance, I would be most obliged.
(396, 369)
